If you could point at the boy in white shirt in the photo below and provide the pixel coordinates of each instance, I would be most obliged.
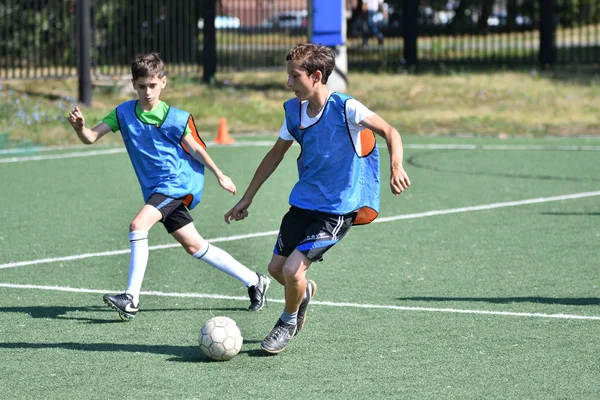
(338, 182)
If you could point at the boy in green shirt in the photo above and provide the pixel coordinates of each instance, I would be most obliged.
(169, 158)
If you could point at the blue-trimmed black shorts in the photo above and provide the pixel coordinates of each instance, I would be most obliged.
(311, 232)
(175, 214)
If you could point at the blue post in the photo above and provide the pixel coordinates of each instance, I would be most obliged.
(327, 26)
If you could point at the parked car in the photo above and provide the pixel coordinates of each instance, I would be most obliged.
(223, 22)
(292, 19)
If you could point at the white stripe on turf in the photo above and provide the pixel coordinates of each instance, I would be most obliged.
(321, 303)
(84, 153)
(269, 233)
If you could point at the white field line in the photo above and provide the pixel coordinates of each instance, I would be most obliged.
(490, 206)
(270, 143)
(497, 147)
(40, 149)
(32, 149)
(126, 251)
(75, 154)
(90, 153)
(269, 233)
(322, 303)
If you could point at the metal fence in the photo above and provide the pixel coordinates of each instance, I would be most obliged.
(38, 37)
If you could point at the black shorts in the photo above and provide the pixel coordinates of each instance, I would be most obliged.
(311, 232)
(175, 214)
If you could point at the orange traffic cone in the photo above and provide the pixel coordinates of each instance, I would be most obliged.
(223, 133)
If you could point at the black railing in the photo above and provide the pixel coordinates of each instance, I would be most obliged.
(38, 37)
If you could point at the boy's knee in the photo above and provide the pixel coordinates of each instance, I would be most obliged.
(191, 250)
(274, 269)
(140, 223)
(194, 246)
(136, 226)
(291, 272)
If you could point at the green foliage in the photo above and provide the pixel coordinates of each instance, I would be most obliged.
(43, 33)
(572, 13)
(125, 28)
(37, 33)
(24, 116)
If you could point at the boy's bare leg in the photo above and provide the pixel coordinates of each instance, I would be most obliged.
(145, 219)
(189, 238)
(276, 268)
(294, 275)
(302, 288)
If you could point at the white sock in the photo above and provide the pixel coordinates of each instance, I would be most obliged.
(138, 260)
(223, 261)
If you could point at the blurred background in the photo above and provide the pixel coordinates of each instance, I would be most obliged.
(39, 37)
(80, 47)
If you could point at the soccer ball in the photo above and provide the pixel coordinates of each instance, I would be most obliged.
(220, 339)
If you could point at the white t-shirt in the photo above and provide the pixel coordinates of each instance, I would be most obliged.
(373, 5)
(356, 112)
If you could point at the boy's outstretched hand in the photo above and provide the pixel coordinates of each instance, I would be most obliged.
(238, 212)
(227, 184)
(76, 119)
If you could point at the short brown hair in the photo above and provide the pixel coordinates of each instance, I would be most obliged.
(146, 65)
(313, 58)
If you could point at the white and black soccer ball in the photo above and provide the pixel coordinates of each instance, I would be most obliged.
(220, 339)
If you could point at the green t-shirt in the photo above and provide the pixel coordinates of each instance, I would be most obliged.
(154, 117)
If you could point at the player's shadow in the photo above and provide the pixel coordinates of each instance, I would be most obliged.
(258, 353)
(58, 312)
(200, 357)
(179, 353)
(575, 301)
(188, 352)
(227, 309)
(75, 313)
